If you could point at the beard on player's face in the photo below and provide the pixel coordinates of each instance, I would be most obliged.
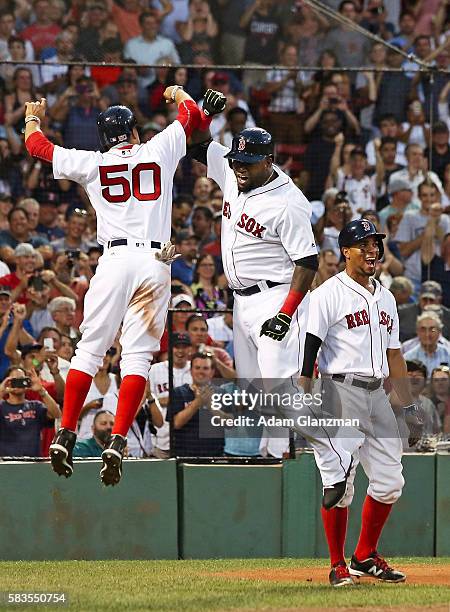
(251, 176)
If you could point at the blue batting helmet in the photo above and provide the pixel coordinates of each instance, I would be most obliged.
(357, 230)
(115, 125)
(250, 146)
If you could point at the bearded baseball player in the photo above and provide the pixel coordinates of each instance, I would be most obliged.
(353, 320)
(130, 188)
(270, 260)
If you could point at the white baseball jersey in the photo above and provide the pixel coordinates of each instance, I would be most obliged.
(361, 194)
(129, 186)
(159, 378)
(356, 327)
(159, 386)
(264, 230)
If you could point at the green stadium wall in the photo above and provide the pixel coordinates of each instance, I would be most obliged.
(162, 510)
(46, 517)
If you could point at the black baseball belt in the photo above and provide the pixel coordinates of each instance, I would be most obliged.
(256, 289)
(372, 385)
(124, 242)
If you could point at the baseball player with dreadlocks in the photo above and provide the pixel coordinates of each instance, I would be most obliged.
(130, 188)
(353, 320)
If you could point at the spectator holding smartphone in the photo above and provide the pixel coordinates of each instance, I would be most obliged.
(21, 420)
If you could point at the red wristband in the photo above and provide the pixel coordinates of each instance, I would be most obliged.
(291, 302)
(205, 121)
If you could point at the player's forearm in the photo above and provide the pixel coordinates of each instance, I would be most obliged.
(188, 111)
(38, 145)
(300, 284)
(398, 376)
(312, 346)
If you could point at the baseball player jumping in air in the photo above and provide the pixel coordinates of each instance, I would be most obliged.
(353, 320)
(270, 260)
(130, 188)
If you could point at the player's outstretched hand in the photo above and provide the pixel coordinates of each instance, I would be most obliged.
(167, 254)
(414, 423)
(37, 108)
(277, 327)
(214, 102)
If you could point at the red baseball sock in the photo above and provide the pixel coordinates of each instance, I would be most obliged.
(130, 395)
(373, 518)
(77, 386)
(335, 525)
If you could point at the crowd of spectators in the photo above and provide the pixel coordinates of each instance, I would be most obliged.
(366, 142)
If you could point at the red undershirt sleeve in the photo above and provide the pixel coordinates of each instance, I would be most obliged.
(188, 116)
(39, 146)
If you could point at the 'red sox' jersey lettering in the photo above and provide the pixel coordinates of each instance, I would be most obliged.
(357, 319)
(250, 225)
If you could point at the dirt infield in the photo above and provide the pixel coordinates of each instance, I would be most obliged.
(416, 574)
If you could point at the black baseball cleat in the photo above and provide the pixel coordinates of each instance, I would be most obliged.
(375, 567)
(61, 452)
(334, 494)
(112, 456)
(339, 575)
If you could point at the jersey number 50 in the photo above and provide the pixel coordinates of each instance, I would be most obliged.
(108, 181)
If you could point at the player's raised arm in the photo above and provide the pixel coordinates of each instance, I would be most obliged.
(213, 104)
(36, 143)
(188, 112)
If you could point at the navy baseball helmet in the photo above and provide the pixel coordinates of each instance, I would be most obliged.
(115, 125)
(357, 230)
(250, 146)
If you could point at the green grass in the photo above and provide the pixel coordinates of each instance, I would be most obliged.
(188, 586)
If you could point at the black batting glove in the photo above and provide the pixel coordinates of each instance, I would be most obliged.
(213, 102)
(277, 327)
(415, 424)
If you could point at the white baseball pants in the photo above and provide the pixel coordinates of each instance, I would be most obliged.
(130, 288)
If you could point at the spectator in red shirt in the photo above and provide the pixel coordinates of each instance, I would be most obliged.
(17, 282)
(33, 358)
(43, 31)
